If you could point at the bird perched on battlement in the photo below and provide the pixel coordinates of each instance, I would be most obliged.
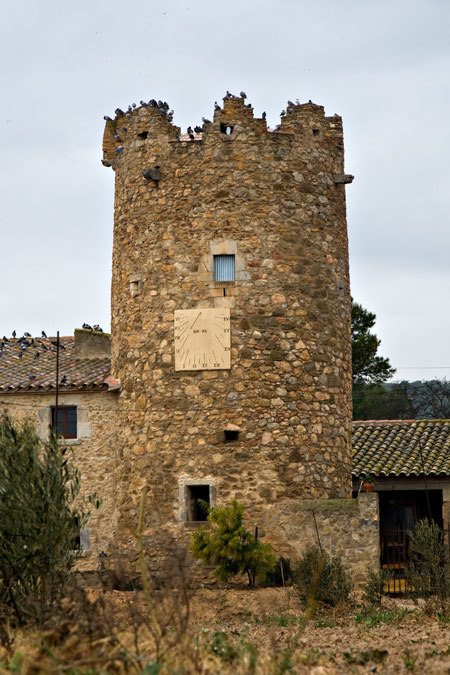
(189, 130)
(14, 333)
(198, 130)
(243, 95)
(27, 334)
(63, 379)
(86, 326)
(117, 138)
(133, 105)
(228, 94)
(43, 334)
(107, 118)
(217, 106)
(119, 148)
(205, 121)
(119, 111)
(283, 113)
(128, 116)
(97, 328)
(264, 115)
(290, 103)
(143, 103)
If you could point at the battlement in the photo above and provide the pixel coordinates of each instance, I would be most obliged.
(150, 128)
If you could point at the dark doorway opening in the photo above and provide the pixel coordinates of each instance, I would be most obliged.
(400, 511)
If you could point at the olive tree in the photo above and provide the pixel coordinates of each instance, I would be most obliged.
(38, 487)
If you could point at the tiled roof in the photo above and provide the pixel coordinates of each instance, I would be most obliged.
(401, 448)
(30, 365)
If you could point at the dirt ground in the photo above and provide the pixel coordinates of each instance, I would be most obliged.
(272, 619)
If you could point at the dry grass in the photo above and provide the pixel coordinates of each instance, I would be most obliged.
(231, 630)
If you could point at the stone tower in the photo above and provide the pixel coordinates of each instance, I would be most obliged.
(230, 313)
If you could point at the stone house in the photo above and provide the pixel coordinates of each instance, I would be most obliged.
(87, 402)
(410, 462)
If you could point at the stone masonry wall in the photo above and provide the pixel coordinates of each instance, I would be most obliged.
(276, 200)
(93, 452)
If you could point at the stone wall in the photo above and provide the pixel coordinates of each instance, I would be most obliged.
(275, 200)
(94, 452)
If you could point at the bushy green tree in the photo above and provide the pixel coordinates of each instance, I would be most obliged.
(37, 515)
(230, 548)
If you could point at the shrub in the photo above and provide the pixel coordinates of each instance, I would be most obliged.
(37, 517)
(229, 547)
(321, 579)
(281, 575)
(374, 586)
(428, 573)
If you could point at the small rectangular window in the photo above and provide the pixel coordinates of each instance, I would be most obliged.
(195, 495)
(66, 425)
(224, 268)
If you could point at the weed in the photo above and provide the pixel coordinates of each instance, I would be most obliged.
(362, 658)
(312, 657)
(378, 617)
(325, 623)
(409, 659)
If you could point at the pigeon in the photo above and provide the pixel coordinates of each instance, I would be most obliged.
(243, 94)
(228, 95)
(20, 355)
(97, 328)
(153, 103)
(26, 334)
(117, 138)
(43, 334)
(128, 116)
(118, 111)
(118, 149)
(282, 113)
(133, 105)
(14, 333)
(143, 103)
(63, 379)
(86, 326)
(36, 355)
(191, 136)
(189, 130)
(290, 103)
(198, 130)
(216, 106)
(31, 376)
(177, 137)
(5, 339)
(107, 118)
(264, 115)
(205, 121)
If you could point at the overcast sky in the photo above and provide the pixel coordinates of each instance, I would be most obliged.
(383, 65)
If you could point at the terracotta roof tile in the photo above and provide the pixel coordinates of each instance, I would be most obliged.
(22, 370)
(401, 448)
